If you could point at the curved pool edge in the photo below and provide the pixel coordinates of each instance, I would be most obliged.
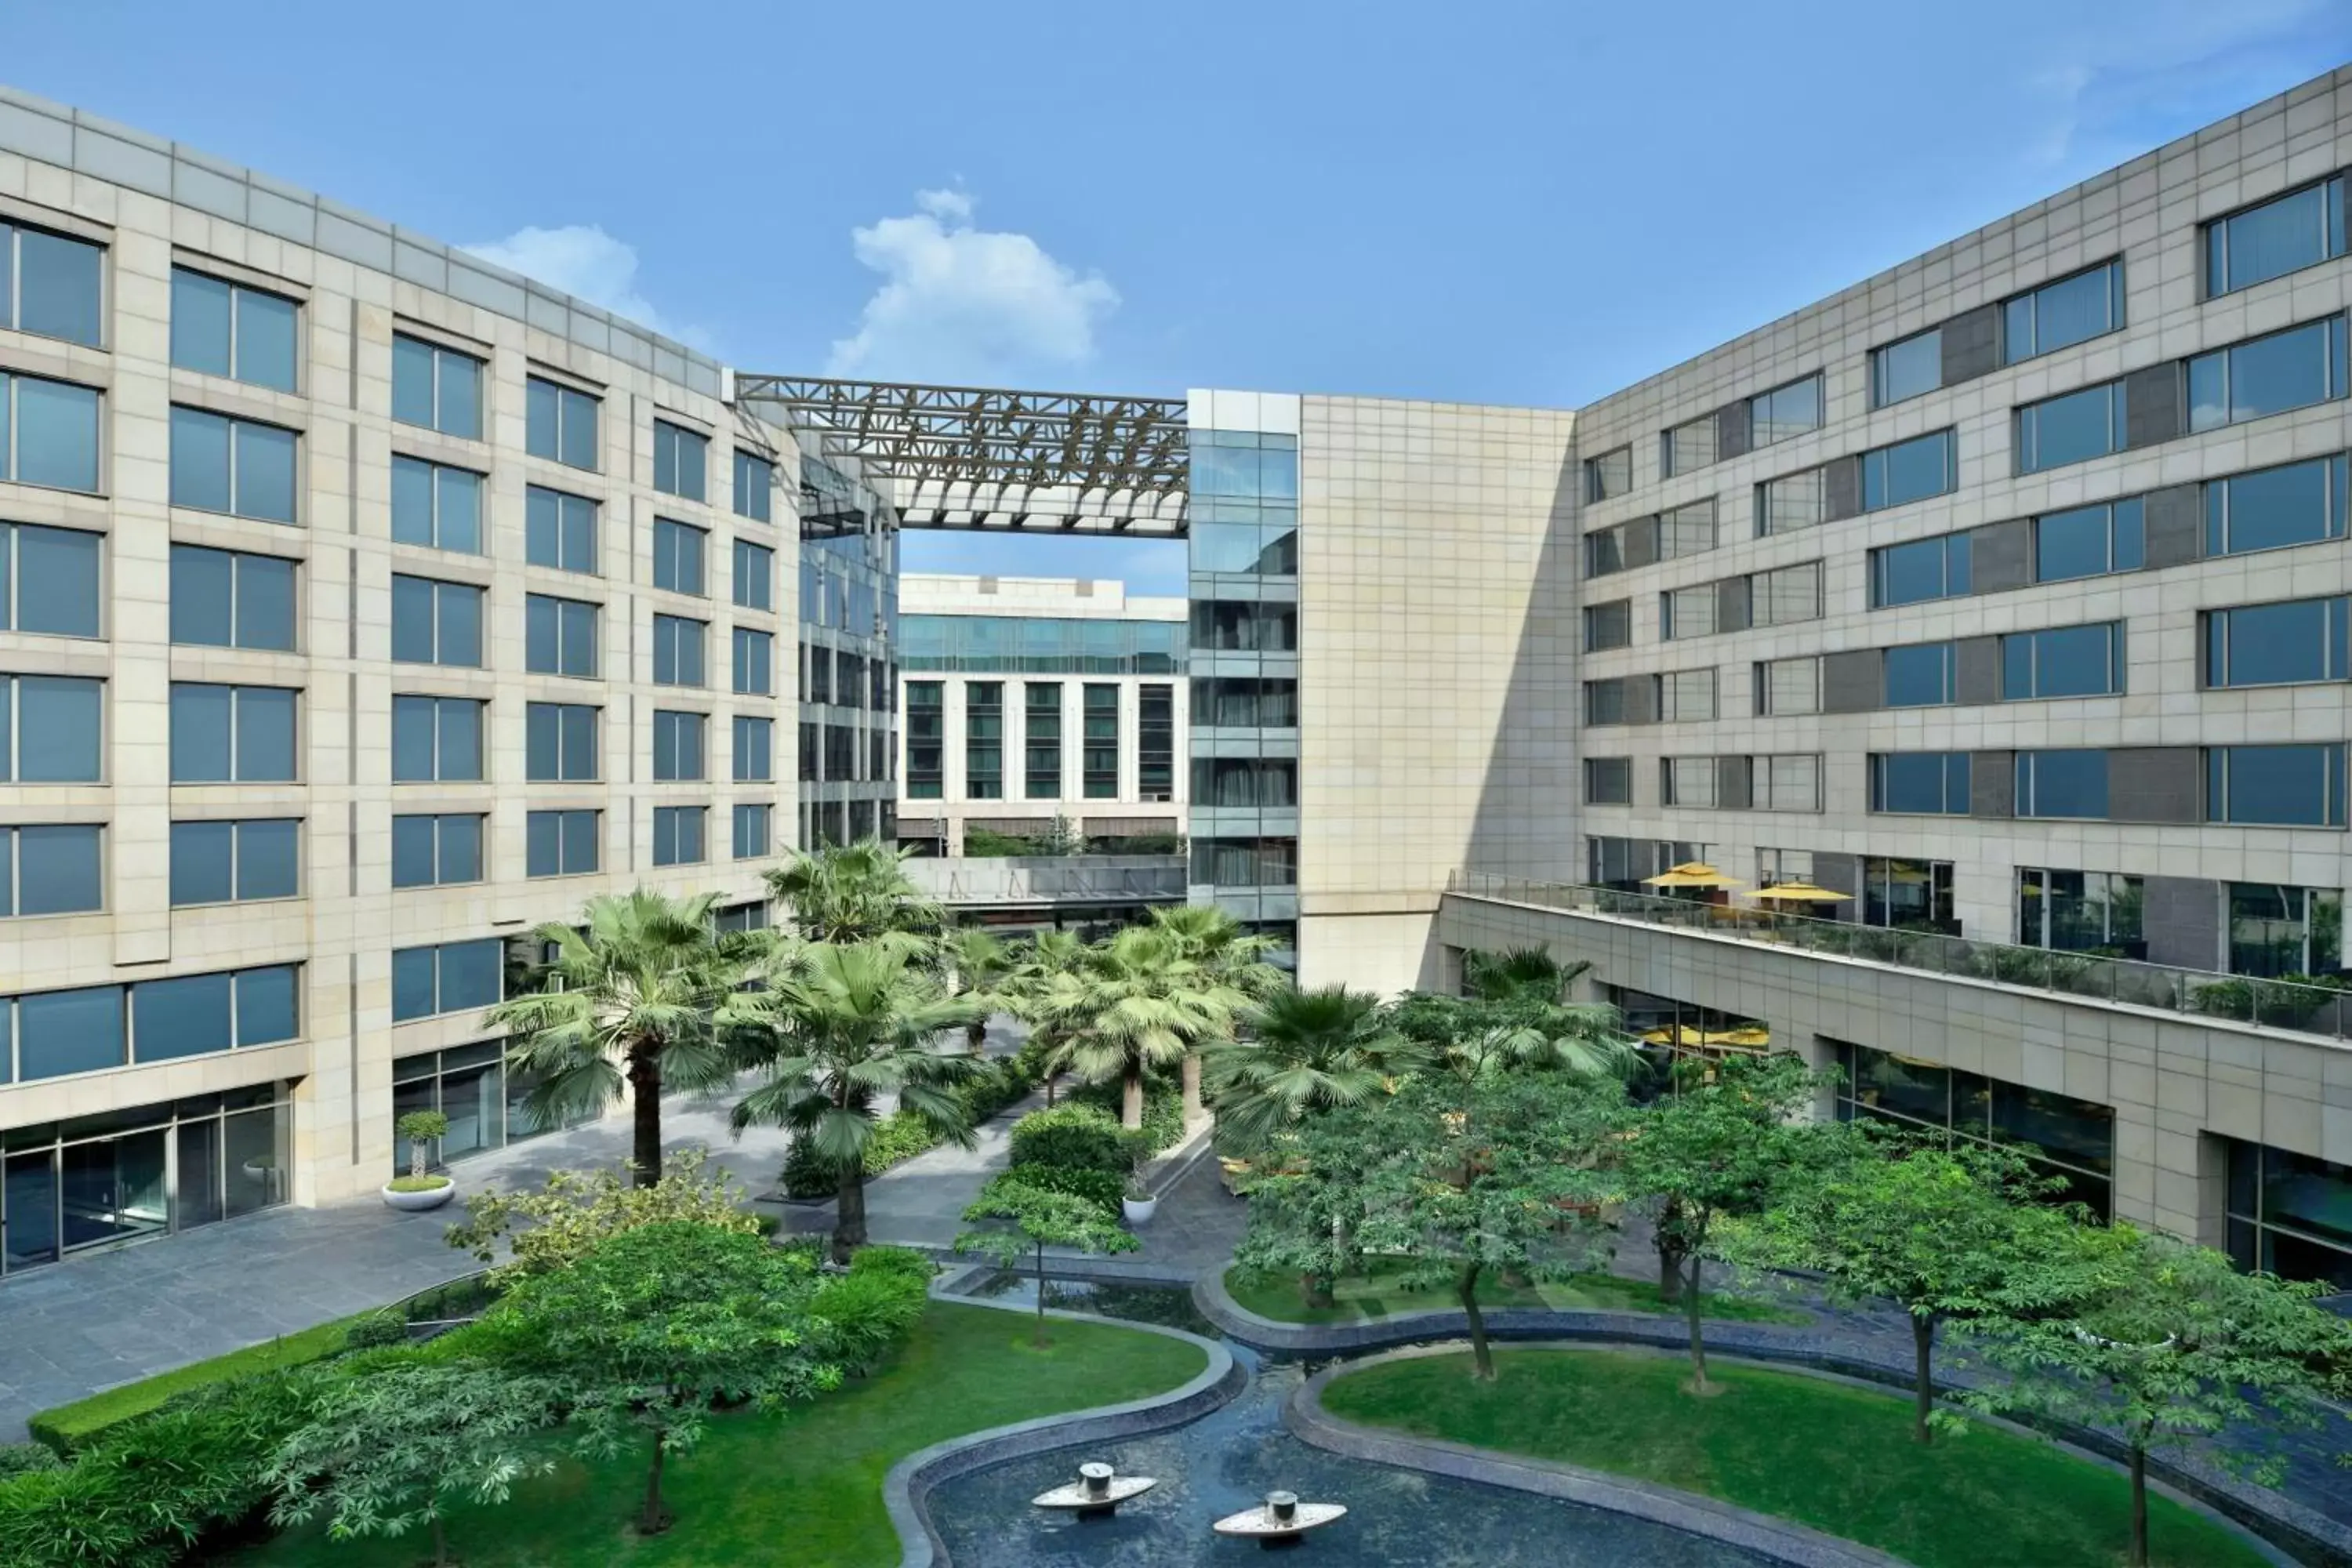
(910, 1481)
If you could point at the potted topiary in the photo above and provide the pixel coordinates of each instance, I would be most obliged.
(1139, 1204)
(416, 1190)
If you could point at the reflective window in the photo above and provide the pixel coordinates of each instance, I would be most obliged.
(58, 729)
(58, 284)
(1916, 573)
(2282, 234)
(2058, 315)
(51, 870)
(1788, 782)
(199, 1013)
(678, 550)
(1242, 464)
(1791, 594)
(984, 739)
(1687, 447)
(1686, 529)
(1686, 695)
(560, 843)
(2276, 932)
(559, 531)
(1785, 411)
(2071, 1139)
(435, 623)
(1686, 780)
(1928, 782)
(1604, 551)
(559, 422)
(1055, 645)
(2080, 912)
(559, 635)
(677, 835)
(1686, 613)
(752, 832)
(753, 661)
(437, 507)
(2290, 369)
(2275, 786)
(2069, 429)
(453, 977)
(49, 581)
(228, 330)
(232, 735)
(1906, 369)
(678, 745)
(754, 749)
(2275, 645)
(1909, 470)
(1919, 676)
(677, 650)
(1790, 502)
(680, 458)
(755, 486)
(1774, 867)
(224, 598)
(1609, 474)
(437, 740)
(1608, 781)
(1912, 895)
(236, 862)
(1042, 737)
(1787, 685)
(754, 576)
(1604, 702)
(1608, 626)
(2289, 1215)
(2064, 661)
(2090, 541)
(437, 388)
(436, 850)
(49, 433)
(925, 739)
(2270, 509)
(232, 466)
(2062, 784)
(559, 743)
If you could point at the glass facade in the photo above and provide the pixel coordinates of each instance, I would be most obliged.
(2071, 1139)
(1043, 646)
(1907, 895)
(2289, 1215)
(481, 1096)
(851, 645)
(2080, 912)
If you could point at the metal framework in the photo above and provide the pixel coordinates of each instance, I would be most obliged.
(968, 457)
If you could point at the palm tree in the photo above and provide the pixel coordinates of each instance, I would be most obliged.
(981, 966)
(1303, 1051)
(1519, 971)
(1212, 938)
(1028, 992)
(633, 1002)
(853, 892)
(1134, 1003)
(840, 1025)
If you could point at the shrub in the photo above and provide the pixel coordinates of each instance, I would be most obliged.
(377, 1330)
(1076, 1137)
(2290, 1000)
(69, 1429)
(901, 1135)
(76, 1516)
(1163, 1112)
(18, 1458)
(904, 1261)
(1100, 1187)
(859, 1318)
(576, 1210)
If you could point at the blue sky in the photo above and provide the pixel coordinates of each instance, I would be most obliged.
(1491, 202)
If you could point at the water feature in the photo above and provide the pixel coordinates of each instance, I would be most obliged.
(1230, 1459)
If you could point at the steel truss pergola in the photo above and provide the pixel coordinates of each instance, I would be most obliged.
(968, 457)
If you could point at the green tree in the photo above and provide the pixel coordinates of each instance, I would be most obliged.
(1519, 971)
(980, 965)
(854, 892)
(1030, 1218)
(1718, 1149)
(1233, 958)
(1029, 991)
(387, 1451)
(576, 1211)
(1136, 1005)
(652, 1327)
(634, 1002)
(835, 1029)
(1520, 1031)
(2174, 1348)
(1457, 1179)
(1299, 1052)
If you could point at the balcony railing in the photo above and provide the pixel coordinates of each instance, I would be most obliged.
(2322, 1010)
(1051, 879)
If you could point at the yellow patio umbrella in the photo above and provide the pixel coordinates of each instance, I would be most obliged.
(1749, 1038)
(1692, 874)
(1801, 893)
(1673, 1034)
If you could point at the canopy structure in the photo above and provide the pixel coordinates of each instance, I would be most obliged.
(1800, 893)
(1692, 874)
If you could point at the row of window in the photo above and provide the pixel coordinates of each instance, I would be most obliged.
(1779, 597)
(847, 679)
(829, 753)
(1042, 741)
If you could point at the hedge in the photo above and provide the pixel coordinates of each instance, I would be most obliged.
(900, 1136)
(1074, 1137)
(70, 1426)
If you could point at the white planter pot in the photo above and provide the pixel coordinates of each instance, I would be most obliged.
(417, 1202)
(1139, 1210)
(254, 1172)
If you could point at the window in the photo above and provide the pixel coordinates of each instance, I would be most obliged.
(2090, 541)
(228, 330)
(1786, 686)
(2276, 930)
(1913, 894)
(437, 507)
(2275, 645)
(1220, 626)
(437, 851)
(232, 466)
(62, 1032)
(1608, 626)
(808, 750)
(236, 862)
(1916, 573)
(755, 484)
(1155, 741)
(752, 833)
(1906, 369)
(2072, 1140)
(840, 751)
(1918, 675)
(2058, 315)
(678, 745)
(1686, 780)
(2069, 429)
(1790, 783)
(1790, 502)
(1604, 551)
(754, 577)
(754, 662)
(2275, 786)
(1686, 529)
(561, 843)
(678, 651)
(1686, 613)
(2080, 912)
(817, 661)
(1687, 447)
(559, 743)
(1785, 411)
(559, 531)
(57, 736)
(1246, 703)
(677, 835)
(58, 286)
(678, 461)
(49, 870)
(455, 977)
(983, 740)
(2062, 784)
(2282, 234)
(1608, 781)
(49, 433)
(1604, 702)
(1791, 594)
(559, 635)
(223, 598)
(2291, 369)
(1042, 741)
(437, 388)
(1774, 867)
(2065, 661)
(1098, 756)
(926, 741)
(1684, 695)
(1246, 862)
(755, 749)
(48, 580)
(1244, 782)
(435, 623)
(2270, 509)
(1909, 470)
(1932, 784)
(559, 422)
(678, 550)
(437, 740)
(2286, 1214)
(231, 734)
(1609, 474)
(848, 679)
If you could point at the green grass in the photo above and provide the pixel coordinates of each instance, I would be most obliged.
(1829, 1455)
(70, 1425)
(805, 1486)
(1375, 1294)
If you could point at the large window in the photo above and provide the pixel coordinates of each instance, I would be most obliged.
(2270, 509)
(2081, 911)
(755, 486)
(236, 862)
(1608, 626)
(1244, 782)
(1608, 781)
(437, 740)
(437, 388)
(2090, 541)
(678, 836)
(1604, 702)
(232, 735)
(56, 1033)
(1246, 862)
(51, 870)
(59, 285)
(983, 740)
(435, 623)
(1923, 570)
(1687, 447)
(926, 741)
(2072, 427)
(559, 422)
(678, 746)
(1246, 703)
(1222, 627)
(1621, 863)
(436, 850)
(677, 650)
(1775, 866)
(1686, 529)
(559, 743)
(2282, 234)
(559, 531)
(561, 843)
(1919, 674)
(2071, 1139)
(1790, 782)
(48, 580)
(228, 330)
(1687, 613)
(2270, 375)
(2278, 930)
(1789, 593)
(679, 548)
(1686, 780)
(1906, 369)
(755, 749)
(1686, 695)
(1931, 783)
(1790, 502)
(752, 832)
(1609, 474)
(2275, 786)
(1098, 742)
(1910, 894)
(453, 977)
(232, 466)
(2276, 645)
(2064, 661)
(2059, 315)
(1909, 470)
(438, 507)
(55, 736)
(753, 580)
(2290, 1215)
(1787, 687)
(1041, 728)
(1155, 742)
(680, 461)
(559, 635)
(1785, 412)
(224, 598)
(49, 433)
(2071, 782)
(752, 662)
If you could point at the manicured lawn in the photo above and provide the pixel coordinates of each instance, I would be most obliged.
(805, 1487)
(73, 1423)
(1829, 1455)
(1375, 1295)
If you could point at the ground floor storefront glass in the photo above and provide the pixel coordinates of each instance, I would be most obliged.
(2074, 1140)
(484, 1102)
(2290, 1213)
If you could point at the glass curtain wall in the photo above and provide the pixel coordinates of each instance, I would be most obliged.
(484, 1103)
(850, 655)
(2071, 1139)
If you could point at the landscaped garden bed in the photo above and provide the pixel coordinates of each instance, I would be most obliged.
(1374, 1293)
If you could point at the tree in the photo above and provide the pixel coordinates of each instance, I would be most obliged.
(1231, 957)
(1519, 971)
(632, 1005)
(579, 1210)
(653, 1327)
(1033, 1217)
(1300, 1052)
(1029, 990)
(854, 892)
(837, 1027)
(386, 1451)
(2173, 1347)
(1719, 1148)
(1135, 1005)
(1457, 1180)
(1950, 1236)
(1519, 1031)
(981, 966)
(420, 1127)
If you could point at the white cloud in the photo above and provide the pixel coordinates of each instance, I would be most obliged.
(582, 260)
(961, 303)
